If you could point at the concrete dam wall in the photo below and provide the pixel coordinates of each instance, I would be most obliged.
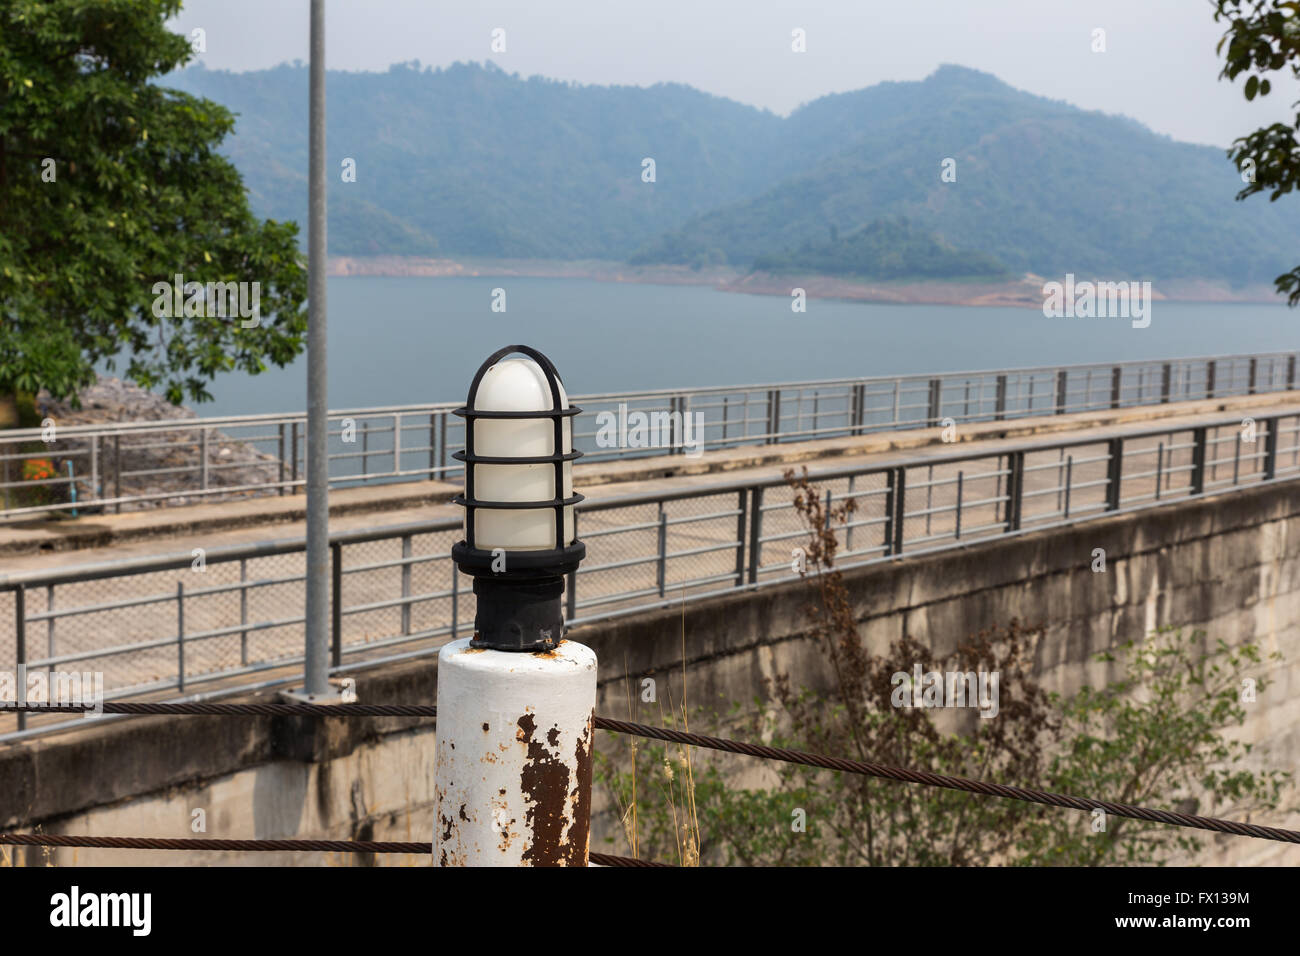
(1228, 565)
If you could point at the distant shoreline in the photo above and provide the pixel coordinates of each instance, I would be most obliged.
(1026, 292)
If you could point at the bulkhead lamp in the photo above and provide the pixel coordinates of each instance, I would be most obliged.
(519, 502)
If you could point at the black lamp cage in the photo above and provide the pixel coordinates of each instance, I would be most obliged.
(518, 606)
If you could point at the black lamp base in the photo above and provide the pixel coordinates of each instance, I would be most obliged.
(519, 615)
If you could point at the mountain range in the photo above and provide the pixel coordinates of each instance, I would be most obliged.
(956, 175)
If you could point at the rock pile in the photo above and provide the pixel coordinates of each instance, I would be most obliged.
(152, 463)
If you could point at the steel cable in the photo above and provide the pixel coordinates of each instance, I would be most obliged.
(266, 846)
(840, 764)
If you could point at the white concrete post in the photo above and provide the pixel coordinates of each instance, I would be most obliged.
(514, 751)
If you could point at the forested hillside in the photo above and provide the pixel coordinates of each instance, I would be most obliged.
(472, 161)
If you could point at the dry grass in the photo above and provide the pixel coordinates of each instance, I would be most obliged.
(678, 784)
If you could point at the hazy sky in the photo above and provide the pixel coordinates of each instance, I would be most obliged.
(1159, 65)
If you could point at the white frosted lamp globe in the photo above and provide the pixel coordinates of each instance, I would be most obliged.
(518, 385)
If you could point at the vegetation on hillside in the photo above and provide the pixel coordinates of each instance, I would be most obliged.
(885, 249)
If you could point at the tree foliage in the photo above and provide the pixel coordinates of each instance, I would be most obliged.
(110, 184)
(1263, 37)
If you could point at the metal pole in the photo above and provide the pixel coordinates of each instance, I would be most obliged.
(316, 663)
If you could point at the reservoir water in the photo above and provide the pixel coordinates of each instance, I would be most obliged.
(396, 341)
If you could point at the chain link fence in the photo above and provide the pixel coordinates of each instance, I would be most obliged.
(231, 618)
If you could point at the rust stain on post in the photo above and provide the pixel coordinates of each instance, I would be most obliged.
(579, 835)
(545, 781)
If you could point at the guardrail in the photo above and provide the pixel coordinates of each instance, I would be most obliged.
(211, 622)
(145, 464)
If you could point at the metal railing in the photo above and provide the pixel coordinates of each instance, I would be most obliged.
(212, 622)
(132, 465)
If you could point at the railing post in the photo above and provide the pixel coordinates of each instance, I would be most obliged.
(203, 459)
(1270, 449)
(433, 445)
(406, 584)
(1069, 481)
(281, 459)
(1114, 472)
(1160, 467)
(180, 636)
(336, 599)
(1116, 376)
(773, 415)
(755, 532)
(742, 513)
(1166, 380)
(455, 600)
(960, 476)
(397, 443)
(1210, 369)
(293, 454)
(571, 585)
(900, 510)
(859, 407)
(888, 536)
(1015, 489)
(1198, 460)
(95, 491)
(50, 647)
(20, 647)
(117, 470)
(848, 530)
(1254, 368)
(1062, 394)
(661, 568)
(243, 611)
(1000, 399)
(442, 443)
(684, 406)
(935, 403)
(674, 425)
(1290, 373)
